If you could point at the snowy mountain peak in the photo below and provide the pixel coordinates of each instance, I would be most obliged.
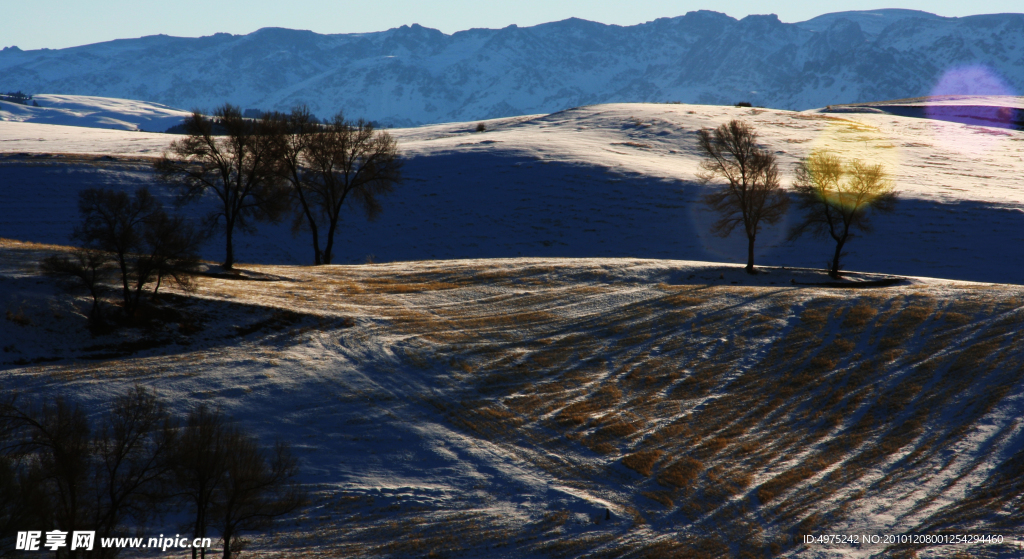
(414, 74)
(871, 21)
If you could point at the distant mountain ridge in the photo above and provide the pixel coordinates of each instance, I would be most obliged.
(414, 75)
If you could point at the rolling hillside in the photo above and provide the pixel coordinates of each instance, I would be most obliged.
(579, 407)
(552, 358)
(598, 181)
(93, 112)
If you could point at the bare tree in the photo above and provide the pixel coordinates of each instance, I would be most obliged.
(121, 472)
(257, 488)
(173, 245)
(292, 133)
(87, 268)
(134, 453)
(201, 465)
(54, 438)
(332, 163)
(229, 481)
(753, 195)
(836, 197)
(238, 169)
(138, 235)
(91, 479)
(18, 503)
(113, 222)
(22, 499)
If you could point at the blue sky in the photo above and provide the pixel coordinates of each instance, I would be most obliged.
(34, 24)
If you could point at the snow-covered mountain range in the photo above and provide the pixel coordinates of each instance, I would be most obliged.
(415, 75)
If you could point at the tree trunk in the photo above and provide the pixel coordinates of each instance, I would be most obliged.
(328, 252)
(127, 289)
(137, 296)
(334, 217)
(316, 234)
(228, 536)
(199, 531)
(750, 255)
(94, 314)
(316, 246)
(834, 271)
(229, 258)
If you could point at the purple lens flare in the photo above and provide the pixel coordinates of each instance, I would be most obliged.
(972, 80)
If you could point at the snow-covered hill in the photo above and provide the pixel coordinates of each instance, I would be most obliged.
(544, 407)
(593, 375)
(1001, 111)
(93, 112)
(414, 75)
(601, 181)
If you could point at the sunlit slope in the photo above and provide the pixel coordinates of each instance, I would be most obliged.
(599, 181)
(598, 407)
(94, 112)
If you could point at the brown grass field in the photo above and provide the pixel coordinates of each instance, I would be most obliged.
(712, 420)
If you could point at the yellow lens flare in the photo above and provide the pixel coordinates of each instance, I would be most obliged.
(851, 139)
(848, 185)
(869, 139)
